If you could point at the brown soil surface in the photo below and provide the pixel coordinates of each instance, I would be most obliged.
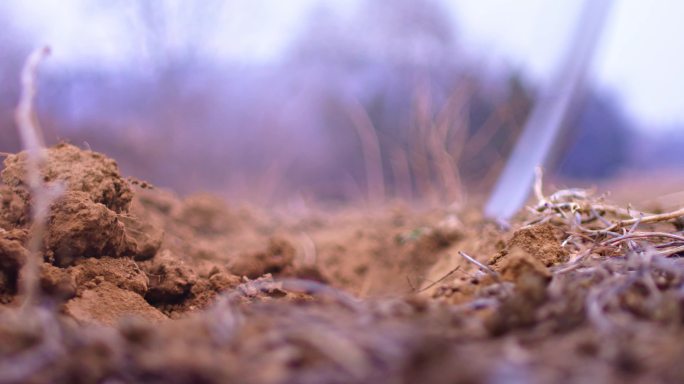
(140, 285)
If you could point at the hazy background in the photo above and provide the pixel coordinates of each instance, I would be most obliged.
(272, 99)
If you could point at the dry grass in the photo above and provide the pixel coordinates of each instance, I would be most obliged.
(593, 223)
(42, 195)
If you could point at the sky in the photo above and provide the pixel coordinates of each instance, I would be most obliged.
(639, 60)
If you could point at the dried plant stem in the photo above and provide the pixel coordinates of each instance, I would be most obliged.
(419, 149)
(481, 266)
(671, 251)
(403, 184)
(41, 197)
(634, 214)
(451, 272)
(538, 185)
(653, 218)
(375, 180)
(451, 117)
(642, 235)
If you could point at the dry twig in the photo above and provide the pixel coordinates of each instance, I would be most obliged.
(451, 272)
(481, 266)
(652, 218)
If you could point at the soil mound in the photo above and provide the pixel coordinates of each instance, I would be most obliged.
(140, 285)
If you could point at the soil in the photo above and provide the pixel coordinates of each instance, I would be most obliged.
(141, 285)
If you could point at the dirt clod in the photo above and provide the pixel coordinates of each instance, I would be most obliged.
(170, 280)
(277, 258)
(107, 304)
(122, 272)
(538, 241)
(206, 214)
(79, 228)
(81, 171)
(57, 282)
(14, 211)
(143, 239)
(518, 266)
(12, 257)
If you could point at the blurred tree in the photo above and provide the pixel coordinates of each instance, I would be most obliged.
(378, 56)
(598, 140)
(425, 98)
(155, 111)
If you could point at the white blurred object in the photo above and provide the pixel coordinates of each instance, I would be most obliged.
(545, 122)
